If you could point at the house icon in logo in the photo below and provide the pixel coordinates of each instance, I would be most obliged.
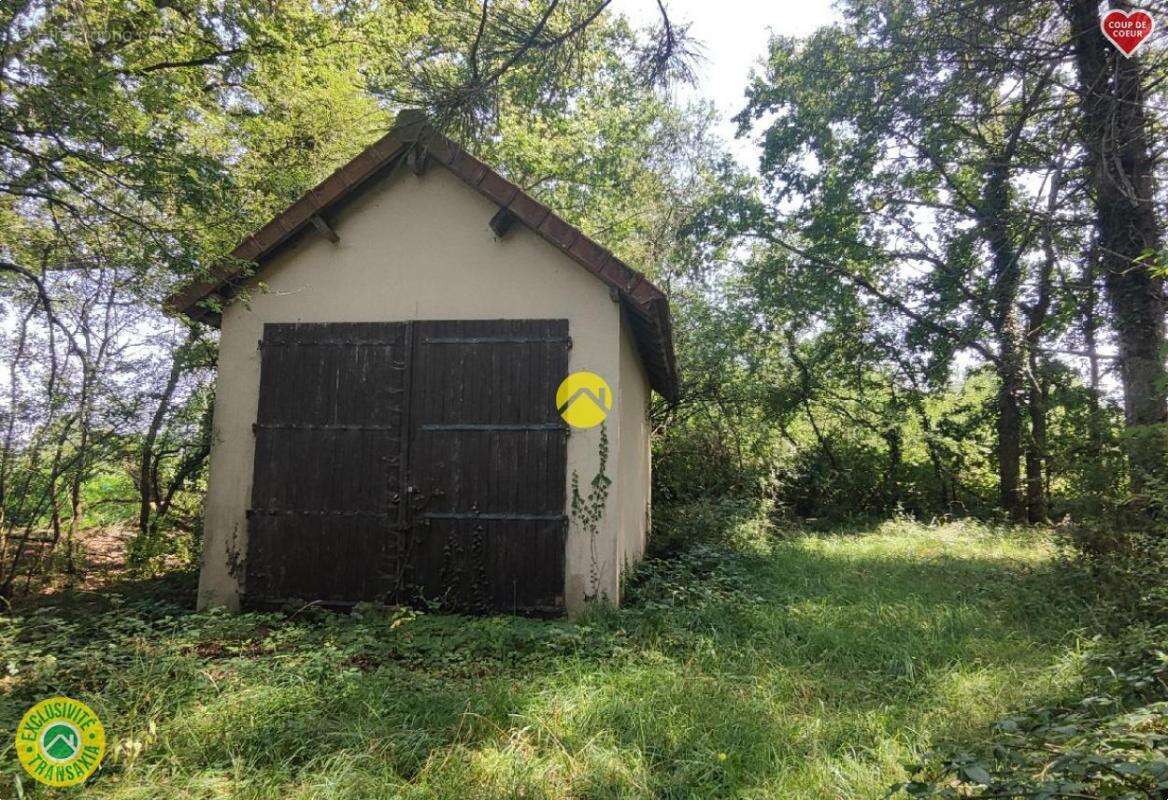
(584, 399)
(61, 742)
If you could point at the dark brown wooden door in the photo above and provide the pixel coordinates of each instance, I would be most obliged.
(397, 461)
(487, 455)
(325, 521)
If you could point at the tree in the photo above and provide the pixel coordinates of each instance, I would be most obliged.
(466, 53)
(902, 163)
(1115, 131)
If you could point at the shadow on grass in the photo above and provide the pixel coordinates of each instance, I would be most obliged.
(813, 670)
(176, 589)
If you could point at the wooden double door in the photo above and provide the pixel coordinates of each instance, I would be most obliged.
(402, 461)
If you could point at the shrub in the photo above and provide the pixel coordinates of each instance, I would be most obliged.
(728, 521)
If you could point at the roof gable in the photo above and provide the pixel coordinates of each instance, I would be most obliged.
(412, 138)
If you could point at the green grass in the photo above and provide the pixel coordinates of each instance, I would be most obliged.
(813, 666)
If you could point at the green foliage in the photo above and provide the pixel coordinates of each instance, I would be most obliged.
(1108, 738)
(1110, 742)
(727, 522)
(109, 498)
(892, 264)
(853, 443)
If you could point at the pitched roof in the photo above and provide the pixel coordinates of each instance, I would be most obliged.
(412, 136)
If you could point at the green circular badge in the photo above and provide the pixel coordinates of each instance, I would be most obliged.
(60, 741)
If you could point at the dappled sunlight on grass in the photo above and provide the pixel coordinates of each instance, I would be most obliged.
(813, 665)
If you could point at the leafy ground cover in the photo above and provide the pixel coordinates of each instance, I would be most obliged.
(801, 665)
(1109, 737)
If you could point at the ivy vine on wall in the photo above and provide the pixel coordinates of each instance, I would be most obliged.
(588, 511)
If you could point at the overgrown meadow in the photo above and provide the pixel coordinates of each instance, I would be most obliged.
(788, 664)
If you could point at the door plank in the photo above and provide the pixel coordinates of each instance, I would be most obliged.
(327, 463)
(488, 451)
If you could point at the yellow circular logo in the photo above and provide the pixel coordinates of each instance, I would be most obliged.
(584, 399)
(60, 741)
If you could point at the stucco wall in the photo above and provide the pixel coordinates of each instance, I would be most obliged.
(416, 248)
(633, 467)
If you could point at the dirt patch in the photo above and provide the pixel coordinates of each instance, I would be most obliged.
(99, 571)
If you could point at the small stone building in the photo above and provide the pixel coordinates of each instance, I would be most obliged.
(385, 419)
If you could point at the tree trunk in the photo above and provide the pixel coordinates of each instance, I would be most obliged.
(1008, 331)
(1010, 449)
(1036, 316)
(1114, 131)
(1091, 344)
(893, 437)
(147, 487)
(1036, 510)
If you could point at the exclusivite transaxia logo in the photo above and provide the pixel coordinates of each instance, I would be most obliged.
(60, 741)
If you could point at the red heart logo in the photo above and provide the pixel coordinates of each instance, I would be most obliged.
(1127, 31)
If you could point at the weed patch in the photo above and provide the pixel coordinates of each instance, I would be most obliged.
(801, 665)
